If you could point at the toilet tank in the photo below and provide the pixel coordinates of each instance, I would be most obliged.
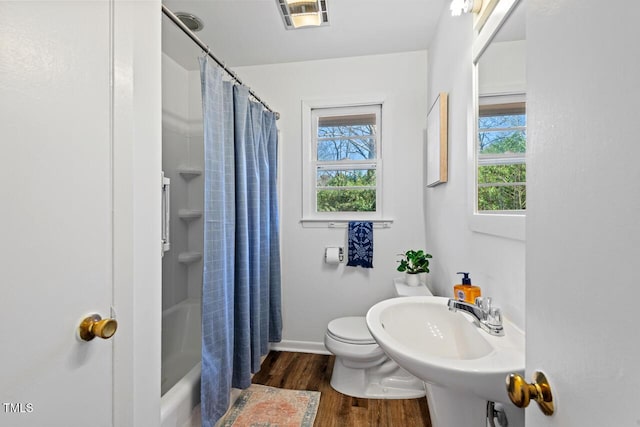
(403, 290)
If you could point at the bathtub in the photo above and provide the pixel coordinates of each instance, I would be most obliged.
(181, 347)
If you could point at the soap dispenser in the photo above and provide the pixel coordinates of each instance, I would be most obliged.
(465, 291)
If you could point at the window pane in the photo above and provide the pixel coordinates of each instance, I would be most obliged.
(351, 149)
(348, 131)
(502, 174)
(505, 198)
(348, 137)
(502, 187)
(345, 157)
(502, 142)
(503, 121)
(346, 178)
(346, 200)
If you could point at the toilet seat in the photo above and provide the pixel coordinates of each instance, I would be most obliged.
(350, 330)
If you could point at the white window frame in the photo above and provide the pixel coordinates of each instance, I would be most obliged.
(503, 225)
(310, 216)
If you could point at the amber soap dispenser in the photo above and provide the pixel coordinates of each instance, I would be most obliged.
(465, 291)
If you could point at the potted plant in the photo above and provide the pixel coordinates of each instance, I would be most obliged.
(413, 263)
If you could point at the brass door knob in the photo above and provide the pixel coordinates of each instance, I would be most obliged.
(521, 392)
(95, 326)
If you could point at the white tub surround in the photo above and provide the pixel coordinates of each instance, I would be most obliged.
(181, 346)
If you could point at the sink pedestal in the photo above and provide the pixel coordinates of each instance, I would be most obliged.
(450, 408)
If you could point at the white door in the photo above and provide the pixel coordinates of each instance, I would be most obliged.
(583, 211)
(56, 224)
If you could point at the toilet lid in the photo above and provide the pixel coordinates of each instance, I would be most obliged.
(351, 330)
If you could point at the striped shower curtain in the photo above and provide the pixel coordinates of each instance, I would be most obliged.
(241, 311)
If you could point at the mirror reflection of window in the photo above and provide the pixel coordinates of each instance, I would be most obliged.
(501, 140)
(502, 145)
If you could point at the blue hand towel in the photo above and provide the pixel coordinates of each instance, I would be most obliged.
(360, 244)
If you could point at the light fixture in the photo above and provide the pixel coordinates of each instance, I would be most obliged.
(458, 7)
(303, 13)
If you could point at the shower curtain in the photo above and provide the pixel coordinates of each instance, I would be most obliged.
(241, 311)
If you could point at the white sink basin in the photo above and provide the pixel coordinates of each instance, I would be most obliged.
(446, 348)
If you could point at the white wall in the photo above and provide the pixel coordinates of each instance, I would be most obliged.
(503, 68)
(496, 264)
(182, 146)
(314, 293)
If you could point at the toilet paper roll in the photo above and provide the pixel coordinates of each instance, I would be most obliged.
(332, 255)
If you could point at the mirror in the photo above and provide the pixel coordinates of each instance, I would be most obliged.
(500, 115)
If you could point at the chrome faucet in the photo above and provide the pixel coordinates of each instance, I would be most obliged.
(488, 318)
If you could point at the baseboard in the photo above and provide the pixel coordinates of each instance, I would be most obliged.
(300, 347)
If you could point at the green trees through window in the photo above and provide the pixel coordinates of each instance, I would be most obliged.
(502, 146)
(339, 191)
(346, 166)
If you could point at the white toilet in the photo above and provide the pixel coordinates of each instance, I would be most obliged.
(361, 368)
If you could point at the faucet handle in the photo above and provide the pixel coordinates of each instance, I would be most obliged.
(484, 304)
(495, 317)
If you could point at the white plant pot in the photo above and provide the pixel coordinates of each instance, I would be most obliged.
(413, 279)
(422, 277)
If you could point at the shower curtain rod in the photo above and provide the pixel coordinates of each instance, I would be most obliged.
(169, 14)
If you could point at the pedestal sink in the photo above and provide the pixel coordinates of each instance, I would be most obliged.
(462, 366)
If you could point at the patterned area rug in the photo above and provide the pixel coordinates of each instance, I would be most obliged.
(262, 406)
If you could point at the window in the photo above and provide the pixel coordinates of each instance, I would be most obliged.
(501, 153)
(343, 170)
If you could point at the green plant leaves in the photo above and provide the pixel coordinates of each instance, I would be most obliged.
(415, 262)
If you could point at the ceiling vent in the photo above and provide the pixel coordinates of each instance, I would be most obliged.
(303, 13)
(191, 21)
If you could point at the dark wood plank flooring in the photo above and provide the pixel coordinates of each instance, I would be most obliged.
(303, 371)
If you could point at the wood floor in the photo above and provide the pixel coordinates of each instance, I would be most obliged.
(302, 371)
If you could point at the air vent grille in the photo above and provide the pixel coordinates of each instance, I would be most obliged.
(285, 12)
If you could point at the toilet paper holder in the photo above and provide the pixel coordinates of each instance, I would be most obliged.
(329, 254)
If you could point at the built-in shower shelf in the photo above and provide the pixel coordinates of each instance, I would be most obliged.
(188, 215)
(189, 172)
(189, 257)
